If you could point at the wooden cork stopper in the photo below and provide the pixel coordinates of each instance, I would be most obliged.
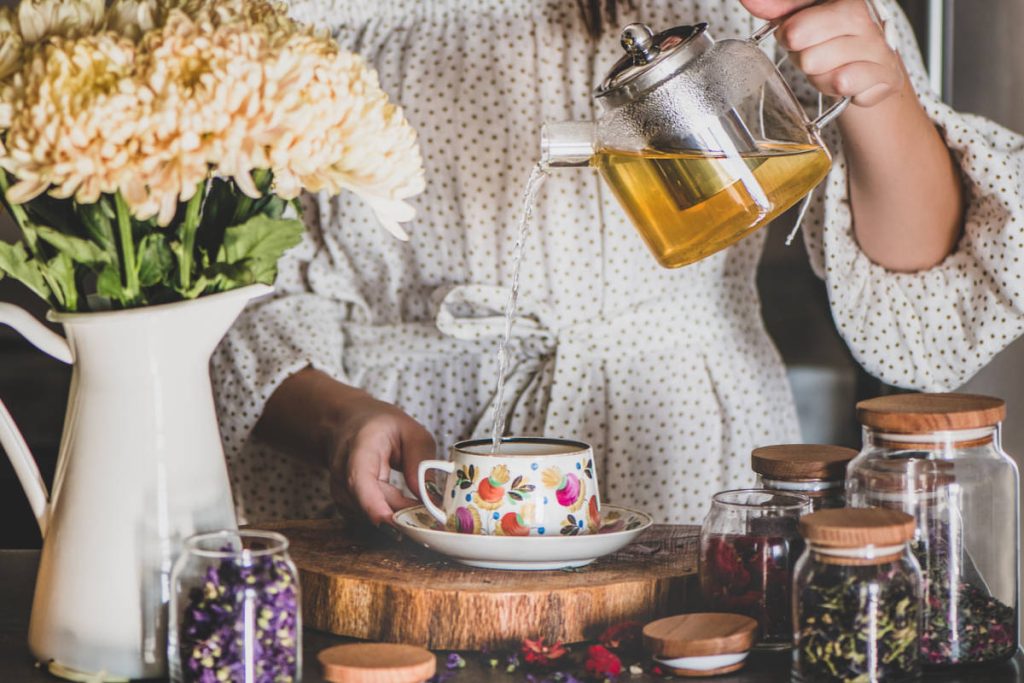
(857, 527)
(377, 663)
(700, 635)
(923, 413)
(802, 462)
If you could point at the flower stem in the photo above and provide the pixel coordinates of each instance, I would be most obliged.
(188, 235)
(260, 177)
(124, 231)
(20, 216)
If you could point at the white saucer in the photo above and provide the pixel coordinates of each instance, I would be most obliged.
(620, 526)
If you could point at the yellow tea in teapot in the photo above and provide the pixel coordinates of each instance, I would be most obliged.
(690, 205)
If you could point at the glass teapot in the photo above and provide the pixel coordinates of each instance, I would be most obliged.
(702, 142)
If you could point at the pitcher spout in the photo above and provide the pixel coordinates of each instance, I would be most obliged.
(567, 144)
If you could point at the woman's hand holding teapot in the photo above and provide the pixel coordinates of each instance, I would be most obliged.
(839, 44)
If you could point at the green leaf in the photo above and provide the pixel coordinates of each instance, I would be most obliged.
(76, 249)
(259, 243)
(109, 283)
(61, 275)
(156, 261)
(96, 219)
(224, 276)
(14, 261)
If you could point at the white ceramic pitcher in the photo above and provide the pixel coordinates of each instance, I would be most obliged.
(140, 468)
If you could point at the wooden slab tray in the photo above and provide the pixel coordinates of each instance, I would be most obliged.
(362, 584)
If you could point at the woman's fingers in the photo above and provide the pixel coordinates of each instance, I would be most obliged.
(417, 445)
(366, 469)
(395, 498)
(361, 469)
(773, 9)
(824, 22)
(831, 55)
(866, 82)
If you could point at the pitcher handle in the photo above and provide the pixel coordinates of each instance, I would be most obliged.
(11, 439)
(827, 116)
(421, 479)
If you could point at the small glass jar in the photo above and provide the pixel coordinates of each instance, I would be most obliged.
(938, 457)
(235, 610)
(817, 471)
(857, 599)
(749, 542)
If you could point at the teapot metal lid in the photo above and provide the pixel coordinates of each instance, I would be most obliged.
(651, 59)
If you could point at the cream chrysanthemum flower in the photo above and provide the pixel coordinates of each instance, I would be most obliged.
(73, 129)
(132, 18)
(39, 19)
(11, 47)
(361, 142)
(177, 91)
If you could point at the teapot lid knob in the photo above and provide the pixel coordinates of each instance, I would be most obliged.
(638, 41)
(651, 59)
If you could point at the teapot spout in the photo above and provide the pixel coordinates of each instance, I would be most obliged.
(566, 144)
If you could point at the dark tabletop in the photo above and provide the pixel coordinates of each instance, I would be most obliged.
(17, 576)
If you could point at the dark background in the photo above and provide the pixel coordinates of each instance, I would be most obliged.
(987, 77)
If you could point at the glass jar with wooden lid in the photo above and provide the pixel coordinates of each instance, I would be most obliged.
(749, 543)
(817, 471)
(939, 458)
(857, 598)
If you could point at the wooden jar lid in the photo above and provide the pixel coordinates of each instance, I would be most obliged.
(377, 663)
(699, 635)
(923, 413)
(857, 527)
(802, 461)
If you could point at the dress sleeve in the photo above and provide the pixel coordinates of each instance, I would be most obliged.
(930, 330)
(272, 339)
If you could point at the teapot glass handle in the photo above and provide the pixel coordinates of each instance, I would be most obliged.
(827, 116)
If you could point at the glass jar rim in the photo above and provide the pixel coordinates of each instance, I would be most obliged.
(802, 485)
(276, 543)
(775, 500)
(937, 436)
(867, 554)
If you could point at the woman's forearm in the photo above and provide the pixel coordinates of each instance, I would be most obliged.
(303, 414)
(905, 190)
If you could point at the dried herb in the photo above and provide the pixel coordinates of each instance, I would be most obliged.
(542, 654)
(752, 575)
(857, 624)
(242, 624)
(963, 623)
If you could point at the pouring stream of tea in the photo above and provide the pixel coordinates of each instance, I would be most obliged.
(533, 185)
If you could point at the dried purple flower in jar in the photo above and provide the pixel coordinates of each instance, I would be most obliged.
(241, 623)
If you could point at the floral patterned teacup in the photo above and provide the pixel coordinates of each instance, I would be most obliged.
(532, 486)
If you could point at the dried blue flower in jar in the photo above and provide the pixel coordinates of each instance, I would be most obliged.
(857, 599)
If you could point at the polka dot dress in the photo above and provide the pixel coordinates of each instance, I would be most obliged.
(669, 374)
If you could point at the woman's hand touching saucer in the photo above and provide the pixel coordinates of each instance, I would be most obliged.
(360, 440)
(374, 439)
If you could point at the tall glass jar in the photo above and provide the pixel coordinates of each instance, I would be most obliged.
(939, 458)
(234, 613)
(749, 542)
(817, 471)
(857, 599)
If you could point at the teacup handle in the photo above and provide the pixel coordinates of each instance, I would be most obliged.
(421, 479)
